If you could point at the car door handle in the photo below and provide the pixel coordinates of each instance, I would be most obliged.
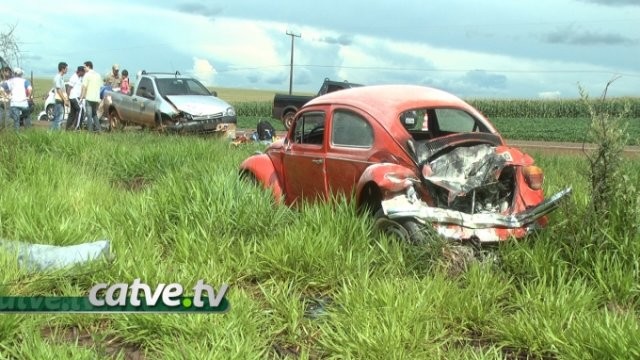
(317, 161)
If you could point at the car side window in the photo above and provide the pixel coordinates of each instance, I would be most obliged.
(145, 89)
(455, 121)
(351, 130)
(309, 128)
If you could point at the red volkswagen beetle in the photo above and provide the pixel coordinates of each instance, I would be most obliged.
(420, 159)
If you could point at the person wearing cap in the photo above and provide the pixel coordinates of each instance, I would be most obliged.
(113, 80)
(76, 113)
(29, 88)
(5, 96)
(20, 92)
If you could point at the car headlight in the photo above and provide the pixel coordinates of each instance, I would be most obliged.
(230, 111)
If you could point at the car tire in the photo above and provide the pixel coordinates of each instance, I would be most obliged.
(115, 122)
(49, 111)
(249, 177)
(404, 229)
(288, 118)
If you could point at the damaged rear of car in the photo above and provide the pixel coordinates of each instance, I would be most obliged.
(470, 185)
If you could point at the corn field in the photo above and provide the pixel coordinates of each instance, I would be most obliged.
(510, 108)
(253, 108)
(562, 108)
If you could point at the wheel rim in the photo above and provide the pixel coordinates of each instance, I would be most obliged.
(392, 228)
(114, 121)
(49, 112)
(288, 120)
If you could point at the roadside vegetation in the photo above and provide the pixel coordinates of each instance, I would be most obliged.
(307, 283)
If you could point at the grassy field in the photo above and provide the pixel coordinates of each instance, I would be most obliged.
(309, 283)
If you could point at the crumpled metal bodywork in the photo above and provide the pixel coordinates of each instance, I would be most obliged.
(475, 196)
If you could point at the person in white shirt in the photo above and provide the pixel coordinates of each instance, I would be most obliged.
(91, 83)
(76, 113)
(20, 94)
(61, 96)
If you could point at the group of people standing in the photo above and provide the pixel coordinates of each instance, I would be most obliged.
(83, 94)
(16, 97)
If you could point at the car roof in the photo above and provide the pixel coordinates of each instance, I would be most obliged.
(386, 102)
(345, 83)
(168, 76)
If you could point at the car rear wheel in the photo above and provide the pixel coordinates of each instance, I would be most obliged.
(49, 111)
(404, 229)
(288, 118)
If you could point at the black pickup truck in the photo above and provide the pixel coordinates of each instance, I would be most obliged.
(285, 106)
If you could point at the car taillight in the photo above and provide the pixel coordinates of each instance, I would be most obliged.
(534, 176)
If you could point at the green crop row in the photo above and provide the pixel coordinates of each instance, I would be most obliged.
(510, 108)
(253, 108)
(539, 108)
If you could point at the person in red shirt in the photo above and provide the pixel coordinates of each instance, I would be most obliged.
(124, 85)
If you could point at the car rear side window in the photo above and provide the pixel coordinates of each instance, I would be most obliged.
(310, 128)
(145, 89)
(351, 130)
(455, 121)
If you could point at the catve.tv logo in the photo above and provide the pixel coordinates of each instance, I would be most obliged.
(122, 297)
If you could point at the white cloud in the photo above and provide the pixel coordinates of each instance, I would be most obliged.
(549, 94)
(253, 51)
(204, 71)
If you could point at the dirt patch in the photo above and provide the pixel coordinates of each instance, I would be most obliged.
(134, 184)
(110, 346)
(567, 148)
(512, 353)
(477, 340)
(286, 351)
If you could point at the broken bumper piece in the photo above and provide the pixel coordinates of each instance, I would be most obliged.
(487, 227)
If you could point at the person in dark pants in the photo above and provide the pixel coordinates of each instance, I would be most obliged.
(76, 113)
(91, 83)
(60, 95)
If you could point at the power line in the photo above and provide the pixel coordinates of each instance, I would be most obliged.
(448, 70)
(385, 68)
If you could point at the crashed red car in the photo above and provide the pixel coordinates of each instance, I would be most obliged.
(417, 157)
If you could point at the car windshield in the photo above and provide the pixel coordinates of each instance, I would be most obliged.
(439, 122)
(176, 86)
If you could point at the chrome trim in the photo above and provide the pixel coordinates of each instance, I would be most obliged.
(402, 207)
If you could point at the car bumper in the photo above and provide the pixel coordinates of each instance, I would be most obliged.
(486, 227)
(226, 124)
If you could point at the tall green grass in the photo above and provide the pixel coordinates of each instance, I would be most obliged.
(312, 282)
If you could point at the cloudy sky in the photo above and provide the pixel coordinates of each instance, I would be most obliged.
(491, 48)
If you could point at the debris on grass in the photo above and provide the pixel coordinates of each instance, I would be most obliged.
(39, 257)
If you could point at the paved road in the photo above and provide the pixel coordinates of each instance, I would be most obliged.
(565, 147)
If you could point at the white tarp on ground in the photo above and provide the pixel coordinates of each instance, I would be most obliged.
(38, 257)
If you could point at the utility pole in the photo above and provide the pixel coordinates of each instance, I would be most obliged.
(293, 35)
